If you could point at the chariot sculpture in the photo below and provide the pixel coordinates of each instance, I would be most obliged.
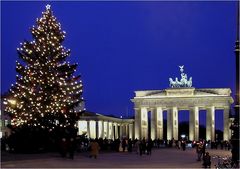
(184, 82)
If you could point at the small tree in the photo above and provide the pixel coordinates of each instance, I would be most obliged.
(45, 92)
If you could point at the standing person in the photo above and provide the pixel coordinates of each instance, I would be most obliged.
(158, 143)
(117, 144)
(183, 145)
(207, 160)
(143, 145)
(72, 147)
(137, 145)
(105, 144)
(149, 147)
(221, 144)
(204, 147)
(199, 151)
(129, 145)
(141, 148)
(124, 144)
(173, 143)
(179, 144)
(94, 149)
(229, 145)
(225, 144)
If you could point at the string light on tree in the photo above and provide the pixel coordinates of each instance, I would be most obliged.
(45, 90)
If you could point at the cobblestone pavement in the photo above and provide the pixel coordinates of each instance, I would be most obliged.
(160, 158)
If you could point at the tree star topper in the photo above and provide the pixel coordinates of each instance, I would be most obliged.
(48, 6)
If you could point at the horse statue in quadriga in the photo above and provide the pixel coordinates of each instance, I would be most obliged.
(174, 83)
(189, 82)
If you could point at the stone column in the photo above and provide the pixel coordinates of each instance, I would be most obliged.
(102, 133)
(175, 123)
(131, 131)
(144, 123)
(159, 116)
(116, 131)
(169, 124)
(172, 123)
(124, 130)
(226, 123)
(88, 129)
(137, 123)
(194, 124)
(92, 129)
(127, 130)
(97, 129)
(107, 130)
(112, 130)
(121, 131)
(210, 126)
(153, 124)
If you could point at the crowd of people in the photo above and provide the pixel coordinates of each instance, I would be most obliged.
(140, 147)
(68, 145)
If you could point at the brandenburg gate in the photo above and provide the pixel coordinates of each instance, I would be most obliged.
(180, 96)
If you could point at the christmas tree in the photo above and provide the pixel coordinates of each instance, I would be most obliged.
(46, 90)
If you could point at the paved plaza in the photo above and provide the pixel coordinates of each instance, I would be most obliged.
(160, 158)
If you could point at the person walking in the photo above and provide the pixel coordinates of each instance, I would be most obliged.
(94, 149)
(199, 151)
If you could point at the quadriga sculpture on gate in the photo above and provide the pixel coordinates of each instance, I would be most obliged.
(184, 82)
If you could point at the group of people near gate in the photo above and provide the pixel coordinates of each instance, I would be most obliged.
(144, 146)
(141, 147)
(202, 155)
(67, 146)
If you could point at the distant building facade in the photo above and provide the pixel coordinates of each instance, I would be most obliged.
(95, 125)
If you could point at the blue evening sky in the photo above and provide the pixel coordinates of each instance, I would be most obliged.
(126, 46)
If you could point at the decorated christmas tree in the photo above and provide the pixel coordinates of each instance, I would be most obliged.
(46, 90)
